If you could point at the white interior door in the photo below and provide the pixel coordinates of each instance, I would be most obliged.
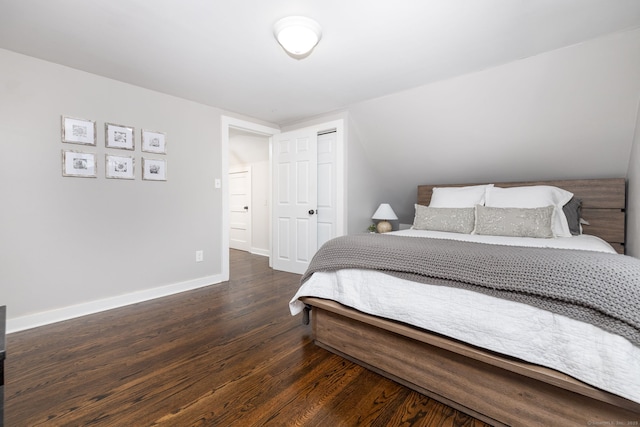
(239, 203)
(327, 186)
(294, 200)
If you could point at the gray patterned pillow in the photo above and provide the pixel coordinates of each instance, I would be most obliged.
(454, 220)
(514, 222)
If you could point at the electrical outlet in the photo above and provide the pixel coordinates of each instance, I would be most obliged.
(199, 256)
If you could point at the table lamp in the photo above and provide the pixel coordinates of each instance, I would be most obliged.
(384, 214)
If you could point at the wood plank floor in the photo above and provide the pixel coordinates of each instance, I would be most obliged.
(224, 355)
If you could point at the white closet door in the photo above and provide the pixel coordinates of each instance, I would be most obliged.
(295, 200)
(327, 186)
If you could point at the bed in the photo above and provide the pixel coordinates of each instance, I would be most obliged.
(502, 361)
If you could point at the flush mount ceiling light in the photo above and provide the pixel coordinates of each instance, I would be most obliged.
(298, 35)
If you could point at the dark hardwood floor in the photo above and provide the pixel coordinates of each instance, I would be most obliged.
(224, 355)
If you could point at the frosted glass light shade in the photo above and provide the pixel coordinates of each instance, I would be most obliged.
(297, 34)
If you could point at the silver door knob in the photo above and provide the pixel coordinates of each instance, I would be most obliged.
(311, 212)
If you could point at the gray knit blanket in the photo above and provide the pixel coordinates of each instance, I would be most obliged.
(594, 287)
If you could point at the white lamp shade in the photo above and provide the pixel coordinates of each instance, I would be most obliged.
(384, 212)
(297, 34)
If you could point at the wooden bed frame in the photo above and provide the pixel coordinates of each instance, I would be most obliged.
(491, 387)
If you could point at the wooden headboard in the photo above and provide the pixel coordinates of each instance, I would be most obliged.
(603, 204)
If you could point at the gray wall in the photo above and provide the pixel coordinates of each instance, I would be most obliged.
(66, 242)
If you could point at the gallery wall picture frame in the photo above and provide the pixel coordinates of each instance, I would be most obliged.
(119, 167)
(79, 164)
(119, 136)
(78, 131)
(154, 170)
(154, 142)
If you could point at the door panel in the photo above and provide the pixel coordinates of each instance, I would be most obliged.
(283, 242)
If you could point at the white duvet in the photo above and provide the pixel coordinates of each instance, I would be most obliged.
(584, 351)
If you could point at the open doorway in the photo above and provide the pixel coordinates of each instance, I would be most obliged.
(249, 192)
(229, 127)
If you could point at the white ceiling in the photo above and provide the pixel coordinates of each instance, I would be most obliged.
(223, 53)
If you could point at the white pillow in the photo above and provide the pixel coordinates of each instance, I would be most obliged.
(534, 196)
(458, 197)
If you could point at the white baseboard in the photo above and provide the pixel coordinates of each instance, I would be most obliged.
(65, 313)
(261, 252)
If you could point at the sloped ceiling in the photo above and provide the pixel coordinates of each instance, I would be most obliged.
(223, 53)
